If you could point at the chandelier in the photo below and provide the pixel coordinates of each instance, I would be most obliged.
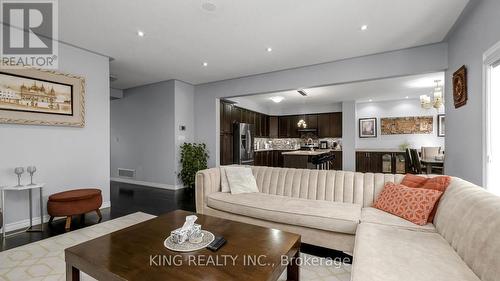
(436, 101)
(302, 124)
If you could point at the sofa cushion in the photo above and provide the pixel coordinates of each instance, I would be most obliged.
(325, 215)
(373, 215)
(413, 204)
(384, 253)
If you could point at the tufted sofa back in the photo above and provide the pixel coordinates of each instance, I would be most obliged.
(328, 185)
(468, 217)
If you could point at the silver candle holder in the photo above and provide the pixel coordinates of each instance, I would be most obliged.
(31, 170)
(19, 171)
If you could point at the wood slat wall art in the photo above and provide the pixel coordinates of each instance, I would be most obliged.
(407, 125)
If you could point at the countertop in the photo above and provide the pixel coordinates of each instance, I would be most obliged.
(379, 150)
(272, 149)
(309, 152)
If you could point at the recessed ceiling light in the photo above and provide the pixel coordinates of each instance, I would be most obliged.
(205, 64)
(407, 97)
(364, 27)
(269, 49)
(277, 99)
(140, 33)
(370, 100)
(208, 6)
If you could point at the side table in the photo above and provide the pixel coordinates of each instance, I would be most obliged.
(30, 189)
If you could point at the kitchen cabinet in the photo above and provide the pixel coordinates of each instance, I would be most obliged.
(273, 126)
(258, 125)
(381, 162)
(335, 119)
(284, 126)
(337, 164)
(226, 149)
(329, 125)
(225, 115)
(323, 125)
(311, 121)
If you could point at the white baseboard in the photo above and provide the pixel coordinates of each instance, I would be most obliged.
(151, 184)
(36, 220)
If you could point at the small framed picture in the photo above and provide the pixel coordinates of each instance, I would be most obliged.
(368, 127)
(441, 125)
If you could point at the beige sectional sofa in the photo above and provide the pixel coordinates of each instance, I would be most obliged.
(333, 209)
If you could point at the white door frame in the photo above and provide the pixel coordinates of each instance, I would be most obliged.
(490, 57)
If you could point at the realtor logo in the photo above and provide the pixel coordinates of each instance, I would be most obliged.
(29, 34)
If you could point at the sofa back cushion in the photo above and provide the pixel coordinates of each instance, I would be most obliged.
(328, 185)
(468, 217)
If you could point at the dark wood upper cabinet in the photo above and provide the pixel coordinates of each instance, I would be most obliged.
(257, 125)
(236, 115)
(273, 126)
(284, 126)
(335, 124)
(294, 129)
(264, 125)
(312, 121)
(324, 125)
(225, 115)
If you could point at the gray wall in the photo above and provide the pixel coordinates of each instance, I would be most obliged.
(431, 58)
(476, 32)
(184, 115)
(349, 136)
(397, 108)
(65, 157)
(142, 133)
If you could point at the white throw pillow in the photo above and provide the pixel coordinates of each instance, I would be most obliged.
(224, 184)
(241, 180)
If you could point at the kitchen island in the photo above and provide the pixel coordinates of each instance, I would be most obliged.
(303, 159)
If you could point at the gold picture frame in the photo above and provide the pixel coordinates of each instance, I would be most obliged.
(31, 96)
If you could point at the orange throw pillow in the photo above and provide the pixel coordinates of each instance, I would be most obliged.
(413, 180)
(439, 183)
(412, 204)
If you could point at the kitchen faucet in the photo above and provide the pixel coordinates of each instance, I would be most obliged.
(310, 143)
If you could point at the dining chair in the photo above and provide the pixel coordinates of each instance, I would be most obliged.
(409, 158)
(430, 151)
(417, 166)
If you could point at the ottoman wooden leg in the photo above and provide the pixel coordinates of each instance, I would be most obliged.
(51, 219)
(68, 223)
(99, 214)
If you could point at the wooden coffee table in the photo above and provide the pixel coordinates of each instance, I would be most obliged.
(137, 253)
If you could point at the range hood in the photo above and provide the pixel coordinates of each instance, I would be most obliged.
(307, 130)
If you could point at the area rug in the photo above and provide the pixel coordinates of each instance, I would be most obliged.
(44, 260)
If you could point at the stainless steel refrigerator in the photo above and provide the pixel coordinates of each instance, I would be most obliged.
(243, 134)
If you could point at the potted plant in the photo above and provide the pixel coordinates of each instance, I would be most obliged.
(194, 158)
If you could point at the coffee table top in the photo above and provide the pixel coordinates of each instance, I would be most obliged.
(137, 252)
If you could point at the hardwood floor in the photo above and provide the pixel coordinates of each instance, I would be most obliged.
(130, 198)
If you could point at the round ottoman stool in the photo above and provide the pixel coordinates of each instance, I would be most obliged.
(74, 202)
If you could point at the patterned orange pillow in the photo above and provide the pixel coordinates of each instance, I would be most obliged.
(412, 204)
(413, 180)
(439, 183)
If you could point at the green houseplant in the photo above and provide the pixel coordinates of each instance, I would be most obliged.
(194, 158)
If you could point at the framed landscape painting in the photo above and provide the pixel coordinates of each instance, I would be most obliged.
(368, 127)
(40, 97)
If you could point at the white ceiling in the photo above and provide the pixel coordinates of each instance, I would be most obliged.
(180, 35)
(376, 90)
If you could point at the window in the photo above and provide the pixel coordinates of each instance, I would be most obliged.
(491, 117)
(493, 157)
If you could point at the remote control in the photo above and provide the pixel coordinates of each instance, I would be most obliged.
(217, 243)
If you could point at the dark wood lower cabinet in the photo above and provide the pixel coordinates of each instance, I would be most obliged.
(271, 158)
(381, 162)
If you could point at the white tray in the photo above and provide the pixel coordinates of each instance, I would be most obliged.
(187, 246)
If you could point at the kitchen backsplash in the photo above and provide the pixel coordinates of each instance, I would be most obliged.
(291, 143)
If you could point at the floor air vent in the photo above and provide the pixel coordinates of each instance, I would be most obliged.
(127, 173)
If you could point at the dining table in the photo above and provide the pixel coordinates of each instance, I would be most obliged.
(432, 162)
